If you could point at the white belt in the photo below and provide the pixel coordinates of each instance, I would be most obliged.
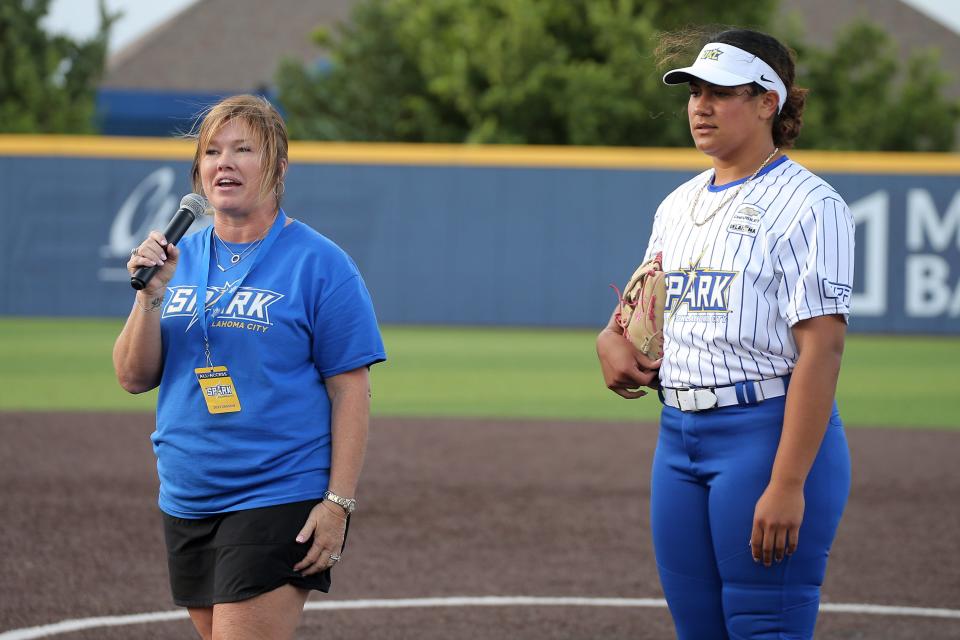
(746, 393)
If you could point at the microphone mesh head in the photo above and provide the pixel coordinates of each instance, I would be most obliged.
(194, 203)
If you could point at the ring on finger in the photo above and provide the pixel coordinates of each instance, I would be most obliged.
(134, 252)
(334, 558)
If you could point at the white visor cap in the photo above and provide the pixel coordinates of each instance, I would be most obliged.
(727, 66)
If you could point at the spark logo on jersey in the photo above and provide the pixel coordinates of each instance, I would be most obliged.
(243, 308)
(704, 292)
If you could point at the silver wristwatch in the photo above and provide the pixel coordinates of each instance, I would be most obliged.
(347, 504)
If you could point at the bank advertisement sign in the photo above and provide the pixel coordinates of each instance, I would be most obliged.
(908, 253)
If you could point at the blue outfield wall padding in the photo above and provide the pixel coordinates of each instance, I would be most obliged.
(467, 245)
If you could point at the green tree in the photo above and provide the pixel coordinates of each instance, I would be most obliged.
(583, 72)
(498, 71)
(862, 96)
(47, 82)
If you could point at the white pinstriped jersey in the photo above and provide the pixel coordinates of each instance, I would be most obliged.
(780, 252)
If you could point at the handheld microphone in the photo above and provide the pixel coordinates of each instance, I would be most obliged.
(191, 208)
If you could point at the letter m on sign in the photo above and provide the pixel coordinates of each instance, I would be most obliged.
(925, 224)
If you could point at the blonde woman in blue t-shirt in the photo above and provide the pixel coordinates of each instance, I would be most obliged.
(263, 403)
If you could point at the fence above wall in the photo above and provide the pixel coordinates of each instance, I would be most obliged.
(450, 234)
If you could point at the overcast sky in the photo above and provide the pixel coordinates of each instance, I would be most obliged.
(79, 17)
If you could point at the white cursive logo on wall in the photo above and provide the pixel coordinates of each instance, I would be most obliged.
(149, 206)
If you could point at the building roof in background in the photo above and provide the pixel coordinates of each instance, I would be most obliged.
(223, 45)
(236, 45)
(911, 29)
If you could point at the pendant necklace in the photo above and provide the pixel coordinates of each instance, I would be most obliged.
(237, 258)
(728, 199)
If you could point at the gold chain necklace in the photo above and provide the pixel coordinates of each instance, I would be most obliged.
(724, 203)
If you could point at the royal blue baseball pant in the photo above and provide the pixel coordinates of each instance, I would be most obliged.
(709, 470)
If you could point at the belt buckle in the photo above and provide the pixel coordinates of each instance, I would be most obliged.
(696, 399)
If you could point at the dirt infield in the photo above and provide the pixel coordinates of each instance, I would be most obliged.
(460, 508)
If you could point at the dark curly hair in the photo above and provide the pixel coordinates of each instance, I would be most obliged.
(787, 123)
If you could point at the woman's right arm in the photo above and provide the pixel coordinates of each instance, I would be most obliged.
(625, 368)
(138, 351)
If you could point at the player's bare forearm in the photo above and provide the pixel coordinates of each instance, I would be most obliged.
(350, 418)
(779, 511)
(625, 369)
(810, 397)
(612, 324)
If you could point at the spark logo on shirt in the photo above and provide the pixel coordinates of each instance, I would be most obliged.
(704, 292)
(230, 307)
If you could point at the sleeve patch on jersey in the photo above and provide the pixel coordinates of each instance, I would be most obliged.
(746, 221)
(837, 291)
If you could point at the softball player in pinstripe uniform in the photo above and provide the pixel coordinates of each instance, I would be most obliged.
(752, 470)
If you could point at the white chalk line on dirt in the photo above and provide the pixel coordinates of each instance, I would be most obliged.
(80, 624)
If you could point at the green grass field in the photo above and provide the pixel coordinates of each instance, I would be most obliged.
(64, 365)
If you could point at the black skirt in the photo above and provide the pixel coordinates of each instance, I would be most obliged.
(238, 555)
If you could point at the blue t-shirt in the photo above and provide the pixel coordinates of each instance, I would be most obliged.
(301, 314)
